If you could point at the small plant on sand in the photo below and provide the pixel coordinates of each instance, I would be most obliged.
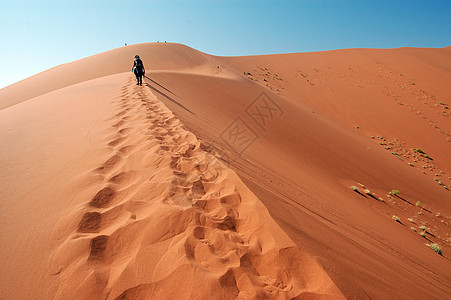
(396, 218)
(394, 192)
(367, 191)
(418, 203)
(354, 188)
(422, 227)
(418, 150)
(422, 234)
(411, 220)
(413, 228)
(437, 214)
(436, 248)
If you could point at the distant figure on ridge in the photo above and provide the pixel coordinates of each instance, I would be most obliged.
(138, 70)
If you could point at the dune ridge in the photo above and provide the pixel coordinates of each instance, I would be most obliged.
(171, 220)
(157, 56)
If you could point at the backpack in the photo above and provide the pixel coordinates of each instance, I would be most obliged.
(138, 63)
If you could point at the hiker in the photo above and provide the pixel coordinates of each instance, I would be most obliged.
(138, 70)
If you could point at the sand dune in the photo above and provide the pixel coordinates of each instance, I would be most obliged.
(228, 177)
(166, 209)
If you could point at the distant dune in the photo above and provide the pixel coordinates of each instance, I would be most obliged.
(321, 175)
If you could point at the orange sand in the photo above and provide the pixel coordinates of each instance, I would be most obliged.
(116, 191)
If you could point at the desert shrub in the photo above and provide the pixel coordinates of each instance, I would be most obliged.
(394, 192)
(396, 218)
(436, 248)
(418, 150)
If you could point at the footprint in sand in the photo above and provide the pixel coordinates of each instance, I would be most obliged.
(103, 198)
(198, 189)
(121, 113)
(124, 131)
(119, 124)
(125, 178)
(116, 141)
(109, 164)
(97, 247)
(90, 222)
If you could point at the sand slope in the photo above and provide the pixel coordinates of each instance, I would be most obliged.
(142, 207)
(171, 221)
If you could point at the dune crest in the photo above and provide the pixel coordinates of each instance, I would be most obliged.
(171, 220)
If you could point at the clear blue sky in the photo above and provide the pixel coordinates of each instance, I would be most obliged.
(37, 35)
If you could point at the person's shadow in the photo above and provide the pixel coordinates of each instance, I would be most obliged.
(165, 95)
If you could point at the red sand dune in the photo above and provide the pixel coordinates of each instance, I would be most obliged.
(228, 177)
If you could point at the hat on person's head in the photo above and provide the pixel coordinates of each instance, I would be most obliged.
(136, 56)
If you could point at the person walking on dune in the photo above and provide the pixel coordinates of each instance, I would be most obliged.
(138, 70)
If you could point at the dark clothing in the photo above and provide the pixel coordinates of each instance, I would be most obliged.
(139, 75)
(138, 70)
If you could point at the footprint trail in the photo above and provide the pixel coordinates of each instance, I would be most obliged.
(170, 220)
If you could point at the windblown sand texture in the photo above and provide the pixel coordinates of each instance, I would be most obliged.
(117, 191)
